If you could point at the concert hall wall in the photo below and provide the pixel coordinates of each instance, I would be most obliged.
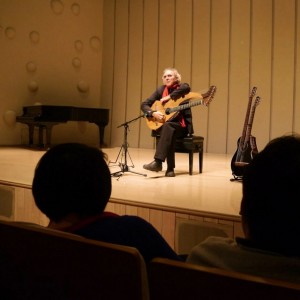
(51, 54)
(111, 54)
(233, 44)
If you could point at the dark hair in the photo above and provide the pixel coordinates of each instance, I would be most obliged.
(271, 195)
(71, 178)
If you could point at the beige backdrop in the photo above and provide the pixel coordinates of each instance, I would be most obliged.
(50, 53)
(122, 47)
(234, 45)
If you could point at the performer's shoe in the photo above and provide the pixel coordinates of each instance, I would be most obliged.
(209, 95)
(170, 173)
(154, 166)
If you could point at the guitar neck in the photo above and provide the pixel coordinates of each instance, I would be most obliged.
(251, 118)
(184, 106)
(243, 136)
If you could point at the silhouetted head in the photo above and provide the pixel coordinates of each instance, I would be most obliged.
(71, 178)
(271, 196)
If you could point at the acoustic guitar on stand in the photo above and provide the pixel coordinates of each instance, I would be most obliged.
(247, 147)
(171, 108)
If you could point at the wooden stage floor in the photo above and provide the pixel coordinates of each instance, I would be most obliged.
(211, 192)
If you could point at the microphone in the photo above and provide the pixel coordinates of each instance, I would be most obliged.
(168, 111)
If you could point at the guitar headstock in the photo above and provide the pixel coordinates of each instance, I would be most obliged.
(257, 101)
(208, 97)
(253, 92)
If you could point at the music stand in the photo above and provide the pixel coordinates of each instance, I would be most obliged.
(124, 148)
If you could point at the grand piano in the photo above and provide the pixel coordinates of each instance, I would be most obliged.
(46, 116)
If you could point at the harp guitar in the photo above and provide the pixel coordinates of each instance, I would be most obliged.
(247, 148)
(171, 108)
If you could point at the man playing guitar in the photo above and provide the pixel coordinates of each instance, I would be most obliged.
(178, 126)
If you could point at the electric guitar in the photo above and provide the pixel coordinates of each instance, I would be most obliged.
(247, 147)
(171, 108)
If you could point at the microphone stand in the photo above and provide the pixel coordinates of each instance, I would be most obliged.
(124, 150)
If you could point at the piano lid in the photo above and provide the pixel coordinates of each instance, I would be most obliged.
(57, 113)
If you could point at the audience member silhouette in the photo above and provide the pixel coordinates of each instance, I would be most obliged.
(72, 185)
(270, 217)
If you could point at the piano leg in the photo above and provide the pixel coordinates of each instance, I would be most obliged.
(48, 128)
(48, 135)
(41, 140)
(31, 131)
(101, 134)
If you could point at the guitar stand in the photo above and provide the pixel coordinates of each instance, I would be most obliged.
(236, 178)
(238, 173)
(124, 152)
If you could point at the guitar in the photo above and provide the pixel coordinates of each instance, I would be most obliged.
(172, 108)
(247, 147)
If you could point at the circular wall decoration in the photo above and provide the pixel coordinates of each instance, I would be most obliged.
(78, 45)
(95, 43)
(10, 117)
(57, 6)
(10, 33)
(75, 8)
(33, 86)
(76, 62)
(34, 37)
(31, 67)
(83, 86)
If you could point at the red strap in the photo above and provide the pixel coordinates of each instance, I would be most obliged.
(182, 121)
(165, 92)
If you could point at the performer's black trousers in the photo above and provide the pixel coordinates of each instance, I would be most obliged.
(166, 146)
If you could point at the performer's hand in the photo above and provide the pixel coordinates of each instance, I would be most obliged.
(158, 116)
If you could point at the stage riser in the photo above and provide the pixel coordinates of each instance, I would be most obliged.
(17, 204)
